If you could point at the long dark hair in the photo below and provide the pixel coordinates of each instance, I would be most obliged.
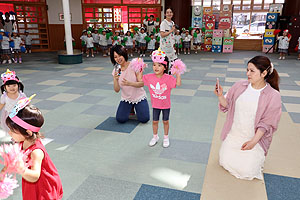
(264, 64)
(166, 65)
(120, 50)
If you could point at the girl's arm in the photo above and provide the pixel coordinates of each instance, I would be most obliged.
(250, 144)
(138, 84)
(33, 174)
(178, 80)
(1, 106)
(116, 82)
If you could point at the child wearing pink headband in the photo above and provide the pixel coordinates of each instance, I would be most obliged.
(12, 91)
(160, 85)
(40, 180)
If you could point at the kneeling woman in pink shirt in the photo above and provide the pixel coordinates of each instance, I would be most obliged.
(160, 85)
(133, 95)
(253, 109)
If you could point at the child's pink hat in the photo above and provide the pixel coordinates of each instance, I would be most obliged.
(9, 76)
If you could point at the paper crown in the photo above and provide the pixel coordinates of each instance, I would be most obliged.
(19, 106)
(158, 56)
(9, 76)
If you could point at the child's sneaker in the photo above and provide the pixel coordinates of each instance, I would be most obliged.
(93, 55)
(9, 61)
(189, 53)
(280, 58)
(4, 61)
(178, 53)
(87, 56)
(184, 53)
(283, 58)
(16, 61)
(153, 141)
(141, 55)
(20, 60)
(131, 55)
(196, 52)
(166, 142)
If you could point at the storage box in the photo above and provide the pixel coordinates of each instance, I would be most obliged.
(266, 48)
(217, 41)
(228, 41)
(216, 48)
(218, 33)
(269, 40)
(227, 48)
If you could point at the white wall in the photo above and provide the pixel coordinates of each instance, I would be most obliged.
(55, 7)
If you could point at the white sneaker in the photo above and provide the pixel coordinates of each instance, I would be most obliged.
(184, 53)
(178, 53)
(9, 61)
(29, 51)
(153, 141)
(131, 55)
(196, 52)
(166, 142)
(87, 56)
(189, 53)
(93, 55)
(4, 61)
(144, 55)
(280, 58)
(141, 55)
(283, 58)
(15, 61)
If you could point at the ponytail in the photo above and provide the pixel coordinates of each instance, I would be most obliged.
(273, 79)
(264, 64)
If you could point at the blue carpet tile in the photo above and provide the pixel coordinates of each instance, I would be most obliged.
(221, 61)
(295, 117)
(149, 192)
(282, 187)
(111, 124)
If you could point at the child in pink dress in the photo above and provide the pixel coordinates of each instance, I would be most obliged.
(160, 85)
(40, 181)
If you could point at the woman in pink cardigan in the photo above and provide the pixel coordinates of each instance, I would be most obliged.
(253, 109)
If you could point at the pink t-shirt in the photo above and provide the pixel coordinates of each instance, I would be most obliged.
(160, 89)
(128, 93)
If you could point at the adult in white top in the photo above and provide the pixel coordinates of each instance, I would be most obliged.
(167, 40)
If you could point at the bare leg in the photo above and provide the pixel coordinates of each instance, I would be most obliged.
(155, 127)
(166, 127)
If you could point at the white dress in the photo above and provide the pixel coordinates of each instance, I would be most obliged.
(9, 105)
(247, 164)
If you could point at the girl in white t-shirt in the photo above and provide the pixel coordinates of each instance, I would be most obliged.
(5, 50)
(17, 46)
(197, 36)
(178, 42)
(96, 39)
(103, 42)
(283, 45)
(129, 43)
(151, 44)
(143, 42)
(89, 45)
(187, 42)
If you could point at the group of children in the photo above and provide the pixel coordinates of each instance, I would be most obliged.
(22, 121)
(138, 41)
(102, 40)
(12, 43)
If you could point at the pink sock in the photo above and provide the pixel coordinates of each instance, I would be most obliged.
(155, 136)
(166, 136)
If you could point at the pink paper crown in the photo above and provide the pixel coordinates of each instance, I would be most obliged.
(159, 56)
(9, 76)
